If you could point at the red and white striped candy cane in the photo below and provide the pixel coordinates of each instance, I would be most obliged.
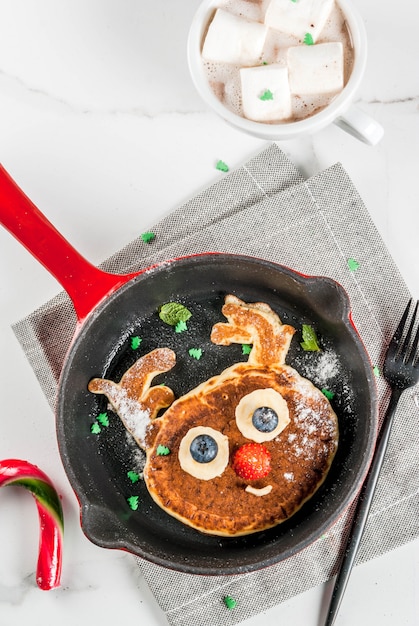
(24, 474)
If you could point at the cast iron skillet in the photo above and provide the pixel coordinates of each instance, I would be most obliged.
(112, 309)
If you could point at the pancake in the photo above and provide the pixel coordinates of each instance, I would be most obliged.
(204, 489)
(132, 398)
(300, 455)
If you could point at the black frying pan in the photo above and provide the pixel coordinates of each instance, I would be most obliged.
(112, 309)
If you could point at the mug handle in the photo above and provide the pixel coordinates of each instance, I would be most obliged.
(360, 125)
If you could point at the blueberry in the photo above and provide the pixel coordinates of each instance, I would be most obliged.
(203, 449)
(264, 419)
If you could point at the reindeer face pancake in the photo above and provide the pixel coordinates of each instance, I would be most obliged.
(247, 447)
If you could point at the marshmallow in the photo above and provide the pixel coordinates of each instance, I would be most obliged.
(298, 18)
(233, 39)
(265, 93)
(316, 69)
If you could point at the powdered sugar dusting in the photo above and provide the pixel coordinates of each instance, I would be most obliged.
(137, 454)
(316, 425)
(135, 417)
(323, 368)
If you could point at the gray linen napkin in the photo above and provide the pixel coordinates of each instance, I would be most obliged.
(266, 209)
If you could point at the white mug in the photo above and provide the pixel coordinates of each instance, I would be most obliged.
(340, 111)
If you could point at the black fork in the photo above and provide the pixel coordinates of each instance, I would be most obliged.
(401, 370)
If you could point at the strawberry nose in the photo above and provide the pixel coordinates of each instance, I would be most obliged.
(252, 461)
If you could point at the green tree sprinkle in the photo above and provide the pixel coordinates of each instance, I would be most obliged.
(135, 342)
(230, 602)
(195, 353)
(266, 95)
(148, 237)
(162, 450)
(353, 264)
(223, 167)
(329, 394)
(133, 476)
(133, 502)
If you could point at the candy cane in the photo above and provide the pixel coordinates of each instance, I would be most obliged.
(16, 472)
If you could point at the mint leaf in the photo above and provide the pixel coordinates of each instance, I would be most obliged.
(173, 312)
(309, 342)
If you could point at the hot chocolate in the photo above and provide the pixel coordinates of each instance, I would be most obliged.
(277, 61)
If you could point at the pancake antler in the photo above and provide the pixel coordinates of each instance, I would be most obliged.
(136, 403)
(255, 324)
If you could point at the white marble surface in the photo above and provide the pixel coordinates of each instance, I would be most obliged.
(95, 101)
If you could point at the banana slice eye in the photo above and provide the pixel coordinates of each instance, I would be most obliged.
(203, 452)
(261, 415)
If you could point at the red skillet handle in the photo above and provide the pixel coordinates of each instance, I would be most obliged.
(85, 284)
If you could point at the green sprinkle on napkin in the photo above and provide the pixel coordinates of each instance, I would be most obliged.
(148, 237)
(223, 167)
(353, 264)
(230, 602)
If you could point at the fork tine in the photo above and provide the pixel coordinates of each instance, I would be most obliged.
(414, 348)
(393, 347)
(406, 343)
